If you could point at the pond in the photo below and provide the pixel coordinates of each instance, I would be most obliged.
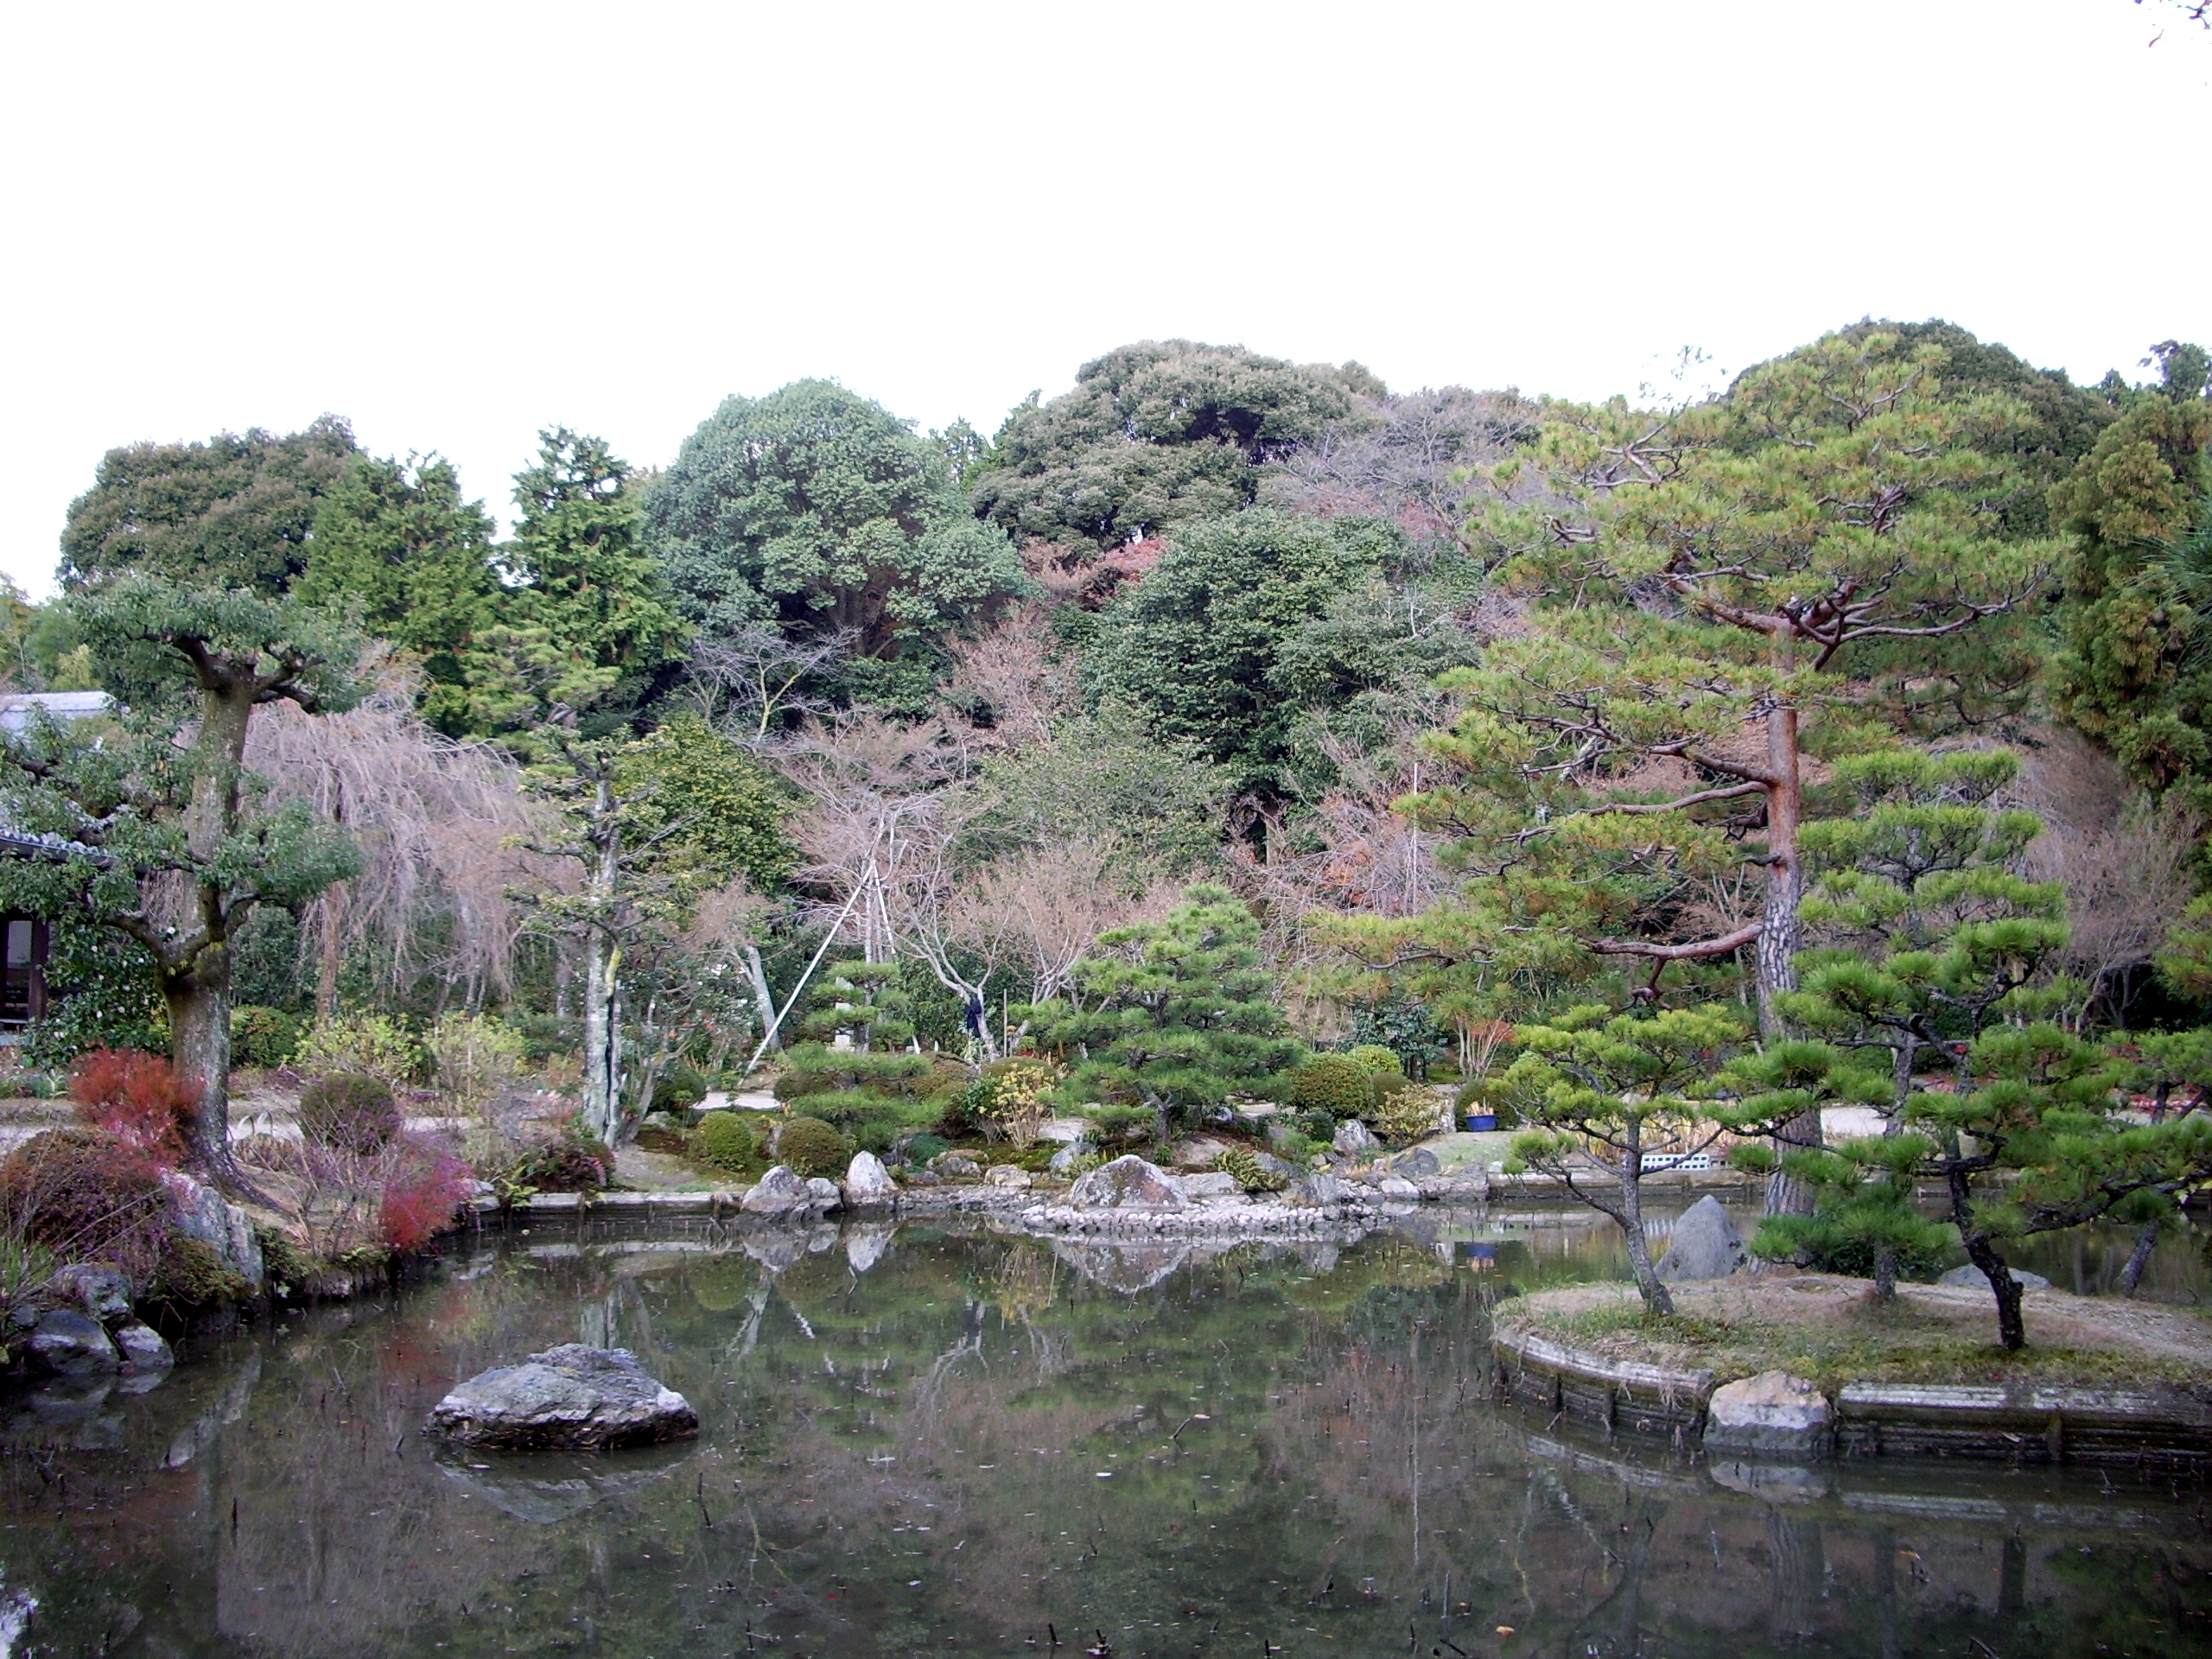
(946, 1442)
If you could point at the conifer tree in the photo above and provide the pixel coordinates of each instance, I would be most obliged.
(1173, 1015)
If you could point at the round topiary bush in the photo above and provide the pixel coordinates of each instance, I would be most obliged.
(349, 1112)
(723, 1141)
(1376, 1057)
(680, 1090)
(88, 1195)
(1335, 1084)
(809, 1147)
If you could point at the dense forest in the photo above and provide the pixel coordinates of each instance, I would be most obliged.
(1220, 710)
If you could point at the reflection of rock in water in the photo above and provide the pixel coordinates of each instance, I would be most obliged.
(778, 1250)
(68, 1412)
(542, 1489)
(864, 1246)
(1319, 1258)
(1128, 1268)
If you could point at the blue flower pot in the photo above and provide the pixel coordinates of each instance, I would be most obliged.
(1480, 1122)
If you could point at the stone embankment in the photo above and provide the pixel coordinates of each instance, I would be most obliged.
(2040, 1416)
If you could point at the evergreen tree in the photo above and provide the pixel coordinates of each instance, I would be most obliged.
(1173, 1015)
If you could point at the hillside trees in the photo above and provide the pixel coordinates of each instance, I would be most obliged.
(816, 510)
(236, 511)
(1708, 593)
(172, 846)
(1155, 435)
(2133, 672)
(395, 539)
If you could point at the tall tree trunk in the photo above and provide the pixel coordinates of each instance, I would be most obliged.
(600, 1097)
(764, 1000)
(2131, 1276)
(1778, 949)
(1649, 1285)
(198, 1003)
(330, 919)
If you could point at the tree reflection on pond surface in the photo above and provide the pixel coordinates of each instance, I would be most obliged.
(941, 1442)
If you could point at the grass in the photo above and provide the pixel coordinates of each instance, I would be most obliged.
(1864, 1341)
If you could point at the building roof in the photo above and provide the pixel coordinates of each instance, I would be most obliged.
(17, 708)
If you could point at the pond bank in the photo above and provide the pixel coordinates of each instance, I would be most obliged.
(1806, 1366)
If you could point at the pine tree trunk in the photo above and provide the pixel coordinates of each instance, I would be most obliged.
(2131, 1276)
(2011, 1330)
(1886, 1274)
(1649, 1285)
(1777, 948)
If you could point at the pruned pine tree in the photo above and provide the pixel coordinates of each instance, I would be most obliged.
(1602, 1091)
(1172, 1015)
(161, 833)
(1797, 566)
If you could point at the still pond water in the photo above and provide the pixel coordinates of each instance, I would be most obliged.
(948, 1442)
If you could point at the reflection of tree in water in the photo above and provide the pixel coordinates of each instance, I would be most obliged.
(912, 1452)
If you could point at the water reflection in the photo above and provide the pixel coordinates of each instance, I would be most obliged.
(932, 1442)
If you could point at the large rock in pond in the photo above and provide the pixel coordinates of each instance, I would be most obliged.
(1128, 1183)
(565, 1398)
(868, 1184)
(100, 1290)
(778, 1193)
(143, 1349)
(203, 1213)
(1354, 1139)
(1773, 1411)
(1706, 1244)
(1970, 1275)
(65, 1343)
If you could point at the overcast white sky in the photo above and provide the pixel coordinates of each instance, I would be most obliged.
(456, 223)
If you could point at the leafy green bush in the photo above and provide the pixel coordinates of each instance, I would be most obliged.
(1318, 1126)
(678, 1089)
(352, 1113)
(1376, 1057)
(923, 1148)
(1335, 1084)
(816, 1069)
(723, 1141)
(265, 1038)
(473, 1056)
(1118, 1124)
(370, 1045)
(1250, 1174)
(1409, 1115)
(809, 1147)
(1017, 1095)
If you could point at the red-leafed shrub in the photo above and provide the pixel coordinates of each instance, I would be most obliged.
(138, 1098)
(88, 1195)
(427, 1185)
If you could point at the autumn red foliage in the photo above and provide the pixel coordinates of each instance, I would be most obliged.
(138, 1098)
(427, 1186)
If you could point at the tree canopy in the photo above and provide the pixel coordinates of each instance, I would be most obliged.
(1155, 435)
(236, 511)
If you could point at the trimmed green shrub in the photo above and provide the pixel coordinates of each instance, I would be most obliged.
(816, 1069)
(265, 1038)
(350, 1112)
(678, 1089)
(1250, 1174)
(578, 1162)
(923, 1148)
(1376, 1057)
(1318, 1126)
(1335, 1084)
(1407, 1115)
(1120, 1124)
(809, 1147)
(723, 1141)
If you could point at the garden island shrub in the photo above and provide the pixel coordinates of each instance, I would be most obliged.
(88, 1195)
(1119, 1125)
(422, 1191)
(366, 1045)
(1251, 1174)
(678, 1089)
(350, 1112)
(1409, 1114)
(809, 1147)
(1335, 1084)
(576, 1161)
(723, 1141)
(473, 1056)
(923, 1148)
(1376, 1057)
(1016, 1097)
